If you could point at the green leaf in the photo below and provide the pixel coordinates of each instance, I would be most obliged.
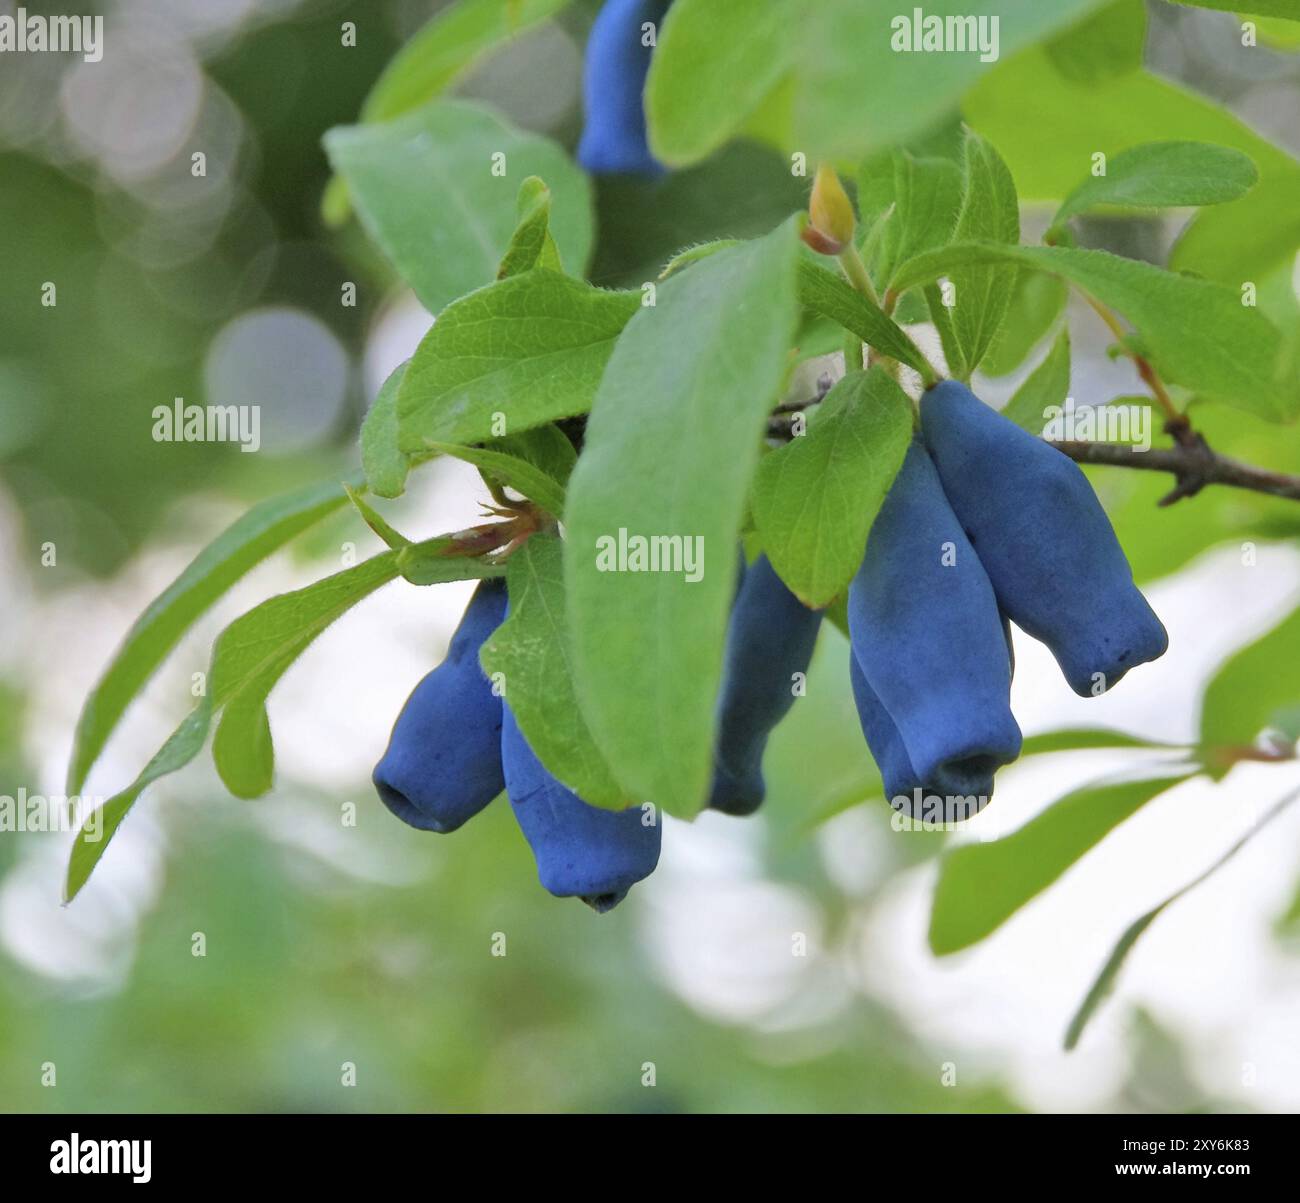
(90, 843)
(1242, 240)
(516, 354)
(450, 42)
(1279, 32)
(989, 213)
(1047, 385)
(531, 651)
(457, 37)
(815, 499)
(384, 463)
(247, 659)
(375, 520)
(247, 542)
(1107, 44)
(1250, 688)
(927, 199)
(427, 191)
(1105, 980)
(531, 245)
(1074, 739)
(670, 447)
(982, 885)
(1196, 332)
(1037, 301)
(254, 652)
(821, 78)
(441, 559)
(1159, 175)
(831, 296)
(512, 471)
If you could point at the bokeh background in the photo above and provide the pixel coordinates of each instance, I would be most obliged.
(373, 945)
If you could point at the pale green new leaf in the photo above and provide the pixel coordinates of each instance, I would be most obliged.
(815, 499)
(531, 245)
(1196, 332)
(245, 543)
(927, 199)
(982, 885)
(1165, 174)
(670, 448)
(436, 190)
(516, 354)
(531, 652)
(1037, 301)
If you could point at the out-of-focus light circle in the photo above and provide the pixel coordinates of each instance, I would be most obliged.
(287, 363)
(134, 109)
(533, 79)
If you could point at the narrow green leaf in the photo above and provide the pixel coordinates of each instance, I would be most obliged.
(245, 655)
(670, 448)
(531, 652)
(90, 843)
(1105, 980)
(1074, 739)
(439, 560)
(516, 473)
(247, 542)
(1250, 687)
(384, 463)
(1197, 332)
(815, 499)
(982, 885)
(373, 519)
(516, 354)
(831, 296)
(428, 191)
(990, 212)
(1165, 174)
(1046, 386)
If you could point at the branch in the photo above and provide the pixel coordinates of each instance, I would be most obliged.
(1193, 465)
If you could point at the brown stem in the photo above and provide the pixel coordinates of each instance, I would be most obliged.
(1193, 465)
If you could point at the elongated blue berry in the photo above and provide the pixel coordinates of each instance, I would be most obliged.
(770, 639)
(617, 60)
(925, 628)
(1045, 541)
(443, 763)
(584, 851)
